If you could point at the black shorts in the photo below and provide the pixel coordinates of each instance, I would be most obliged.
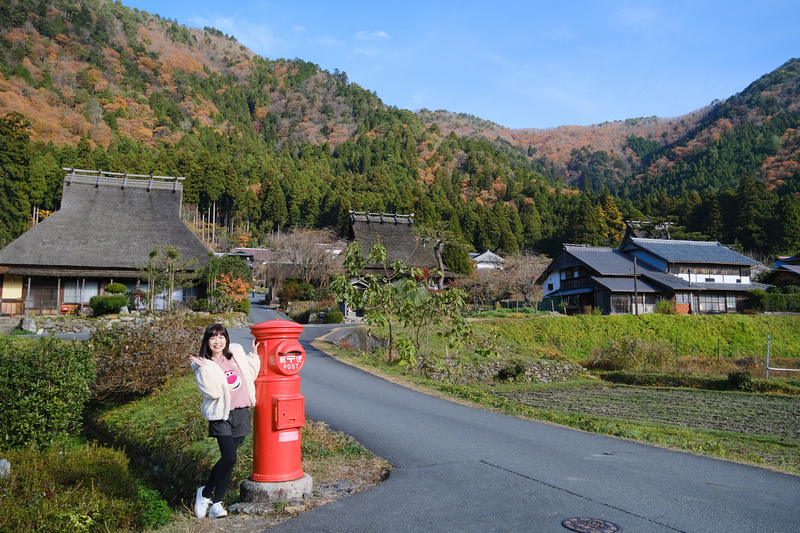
(237, 424)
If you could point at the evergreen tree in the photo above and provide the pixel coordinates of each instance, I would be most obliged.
(15, 155)
(273, 207)
(615, 226)
(585, 225)
(786, 235)
(752, 213)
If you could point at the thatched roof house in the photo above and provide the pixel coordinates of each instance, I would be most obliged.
(396, 233)
(104, 232)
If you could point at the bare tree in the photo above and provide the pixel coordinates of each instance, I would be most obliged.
(483, 286)
(313, 254)
(520, 273)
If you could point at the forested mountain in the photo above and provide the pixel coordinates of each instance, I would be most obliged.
(269, 144)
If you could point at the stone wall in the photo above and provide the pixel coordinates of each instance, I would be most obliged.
(543, 371)
(44, 325)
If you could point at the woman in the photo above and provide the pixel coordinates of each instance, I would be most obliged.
(226, 379)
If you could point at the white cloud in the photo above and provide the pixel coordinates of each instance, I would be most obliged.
(371, 36)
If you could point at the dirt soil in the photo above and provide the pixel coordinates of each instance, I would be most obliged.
(752, 414)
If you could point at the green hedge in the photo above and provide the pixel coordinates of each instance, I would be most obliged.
(104, 304)
(736, 381)
(334, 317)
(44, 384)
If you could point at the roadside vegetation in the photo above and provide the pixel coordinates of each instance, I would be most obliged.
(691, 383)
(107, 435)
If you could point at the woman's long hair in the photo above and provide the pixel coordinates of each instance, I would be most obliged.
(211, 331)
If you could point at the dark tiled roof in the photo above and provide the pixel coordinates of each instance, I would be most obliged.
(705, 252)
(625, 284)
(395, 233)
(666, 280)
(106, 229)
(604, 261)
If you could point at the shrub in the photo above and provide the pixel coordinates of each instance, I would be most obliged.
(303, 317)
(47, 380)
(243, 306)
(104, 304)
(754, 300)
(513, 371)
(334, 317)
(667, 307)
(201, 304)
(138, 360)
(76, 488)
(741, 380)
(115, 288)
(290, 291)
(774, 302)
(650, 355)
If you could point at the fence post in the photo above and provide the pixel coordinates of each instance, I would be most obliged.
(691, 358)
(629, 355)
(769, 340)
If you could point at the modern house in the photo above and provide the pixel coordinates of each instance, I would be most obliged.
(105, 232)
(701, 277)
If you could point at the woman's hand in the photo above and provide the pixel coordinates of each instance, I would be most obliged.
(197, 360)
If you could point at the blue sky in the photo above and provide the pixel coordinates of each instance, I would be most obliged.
(521, 64)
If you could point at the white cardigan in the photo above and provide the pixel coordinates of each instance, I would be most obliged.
(213, 385)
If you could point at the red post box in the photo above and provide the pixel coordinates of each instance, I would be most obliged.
(280, 409)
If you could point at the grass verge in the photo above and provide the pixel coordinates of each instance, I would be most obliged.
(674, 418)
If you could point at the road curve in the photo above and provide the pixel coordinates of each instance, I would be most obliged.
(459, 468)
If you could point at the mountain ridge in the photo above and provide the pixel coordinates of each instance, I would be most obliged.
(275, 143)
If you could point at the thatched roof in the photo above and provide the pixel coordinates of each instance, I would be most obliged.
(396, 233)
(106, 227)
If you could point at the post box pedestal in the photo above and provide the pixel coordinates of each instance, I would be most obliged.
(283, 491)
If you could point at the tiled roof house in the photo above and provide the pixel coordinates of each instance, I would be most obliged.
(104, 232)
(783, 276)
(488, 260)
(701, 277)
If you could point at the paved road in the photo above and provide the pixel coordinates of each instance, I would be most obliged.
(464, 469)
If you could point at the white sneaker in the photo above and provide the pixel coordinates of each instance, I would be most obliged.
(201, 503)
(217, 511)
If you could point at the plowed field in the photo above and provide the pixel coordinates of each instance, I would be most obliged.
(753, 414)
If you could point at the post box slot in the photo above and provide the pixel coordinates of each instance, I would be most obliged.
(288, 358)
(289, 412)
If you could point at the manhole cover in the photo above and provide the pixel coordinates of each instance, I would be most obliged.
(590, 525)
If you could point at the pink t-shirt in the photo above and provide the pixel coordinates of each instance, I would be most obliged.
(233, 374)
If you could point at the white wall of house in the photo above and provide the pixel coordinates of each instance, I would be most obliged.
(552, 283)
(695, 278)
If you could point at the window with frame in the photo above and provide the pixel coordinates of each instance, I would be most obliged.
(569, 273)
(712, 303)
(72, 290)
